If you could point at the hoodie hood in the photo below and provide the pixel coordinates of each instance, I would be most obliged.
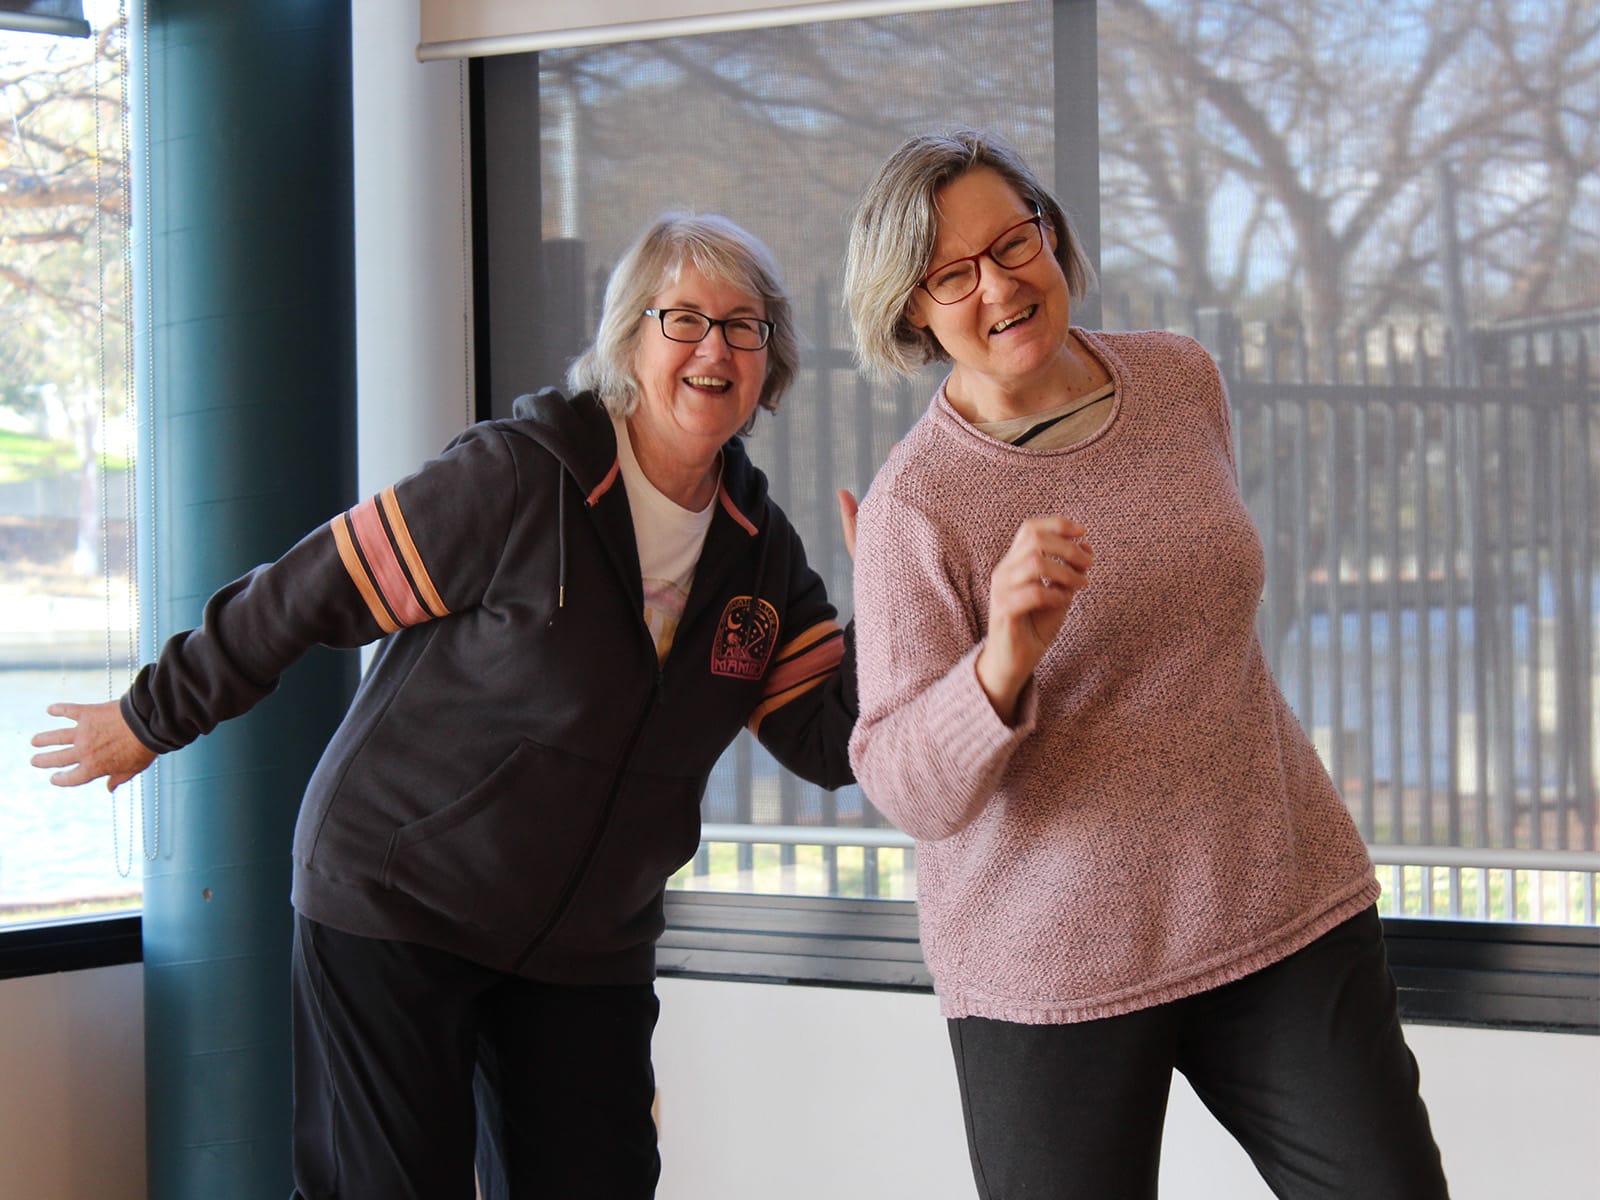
(579, 433)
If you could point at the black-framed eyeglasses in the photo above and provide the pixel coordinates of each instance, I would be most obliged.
(957, 279)
(686, 325)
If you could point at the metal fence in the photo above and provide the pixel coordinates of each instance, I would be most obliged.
(1431, 608)
(1429, 519)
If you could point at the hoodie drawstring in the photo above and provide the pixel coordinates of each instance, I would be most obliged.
(561, 541)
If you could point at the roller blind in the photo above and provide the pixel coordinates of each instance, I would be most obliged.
(64, 17)
(471, 28)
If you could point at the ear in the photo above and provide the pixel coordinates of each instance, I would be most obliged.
(916, 309)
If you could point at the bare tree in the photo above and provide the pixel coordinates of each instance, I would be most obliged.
(781, 128)
(63, 204)
(1552, 67)
(62, 168)
(1321, 125)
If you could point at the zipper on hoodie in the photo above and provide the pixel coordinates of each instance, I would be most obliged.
(654, 701)
(580, 870)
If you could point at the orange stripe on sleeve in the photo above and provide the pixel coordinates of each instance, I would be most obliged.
(386, 571)
(408, 551)
(815, 633)
(767, 707)
(358, 573)
(820, 659)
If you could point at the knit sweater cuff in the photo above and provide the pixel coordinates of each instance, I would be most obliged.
(973, 699)
(973, 742)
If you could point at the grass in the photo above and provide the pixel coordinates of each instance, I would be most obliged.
(1565, 897)
(807, 875)
(69, 909)
(23, 457)
(26, 457)
(1490, 894)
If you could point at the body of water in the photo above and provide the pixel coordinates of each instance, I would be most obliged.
(55, 843)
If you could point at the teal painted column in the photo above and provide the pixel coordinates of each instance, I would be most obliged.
(244, 289)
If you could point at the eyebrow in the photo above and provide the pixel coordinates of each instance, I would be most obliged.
(742, 310)
(1007, 228)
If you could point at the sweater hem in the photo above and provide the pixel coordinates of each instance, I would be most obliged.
(969, 1003)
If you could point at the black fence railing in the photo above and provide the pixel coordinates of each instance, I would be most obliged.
(1559, 349)
(1427, 500)
(1431, 603)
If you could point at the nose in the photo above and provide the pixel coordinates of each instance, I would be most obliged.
(994, 281)
(714, 345)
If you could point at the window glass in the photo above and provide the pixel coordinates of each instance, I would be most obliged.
(780, 129)
(67, 604)
(1383, 220)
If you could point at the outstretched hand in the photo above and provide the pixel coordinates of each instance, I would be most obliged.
(847, 519)
(98, 745)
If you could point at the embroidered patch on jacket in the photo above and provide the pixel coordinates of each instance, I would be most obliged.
(746, 639)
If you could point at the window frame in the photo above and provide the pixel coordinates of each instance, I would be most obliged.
(73, 943)
(1540, 978)
(1535, 978)
(79, 945)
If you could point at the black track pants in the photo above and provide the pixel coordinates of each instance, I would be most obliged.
(409, 1063)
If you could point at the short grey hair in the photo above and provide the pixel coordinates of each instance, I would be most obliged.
(894, 229)
(723, 253)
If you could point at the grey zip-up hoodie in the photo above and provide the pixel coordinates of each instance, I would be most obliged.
(517, 777)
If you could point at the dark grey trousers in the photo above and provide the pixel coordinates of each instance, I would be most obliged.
(1303, 1062)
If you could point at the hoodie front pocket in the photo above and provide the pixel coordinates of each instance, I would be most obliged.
(501, 856)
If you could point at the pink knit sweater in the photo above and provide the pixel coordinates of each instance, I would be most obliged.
(1157, 823)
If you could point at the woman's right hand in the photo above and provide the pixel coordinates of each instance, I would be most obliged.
(1030, 590)
(848, 505)
(100, 744)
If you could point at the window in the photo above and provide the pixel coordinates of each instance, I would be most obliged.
(1383, 221)
(68, 596)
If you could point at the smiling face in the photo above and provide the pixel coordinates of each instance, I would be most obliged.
(1008, 340)
(694, 396)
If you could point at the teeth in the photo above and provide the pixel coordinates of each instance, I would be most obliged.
(1010, 321)
(707, 381)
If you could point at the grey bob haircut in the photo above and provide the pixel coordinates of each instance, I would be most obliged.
(719, 250)
(894, 229)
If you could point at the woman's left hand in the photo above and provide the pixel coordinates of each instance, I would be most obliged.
(1030, 590)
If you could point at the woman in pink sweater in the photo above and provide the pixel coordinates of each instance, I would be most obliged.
(1130, 859)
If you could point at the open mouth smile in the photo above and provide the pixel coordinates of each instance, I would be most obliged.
(1014, 319)
(708, 382)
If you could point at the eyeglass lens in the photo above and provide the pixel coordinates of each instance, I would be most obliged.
(686, 325)
(1015, 247)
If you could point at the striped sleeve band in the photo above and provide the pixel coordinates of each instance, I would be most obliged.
(801, 664)
(383, 562)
